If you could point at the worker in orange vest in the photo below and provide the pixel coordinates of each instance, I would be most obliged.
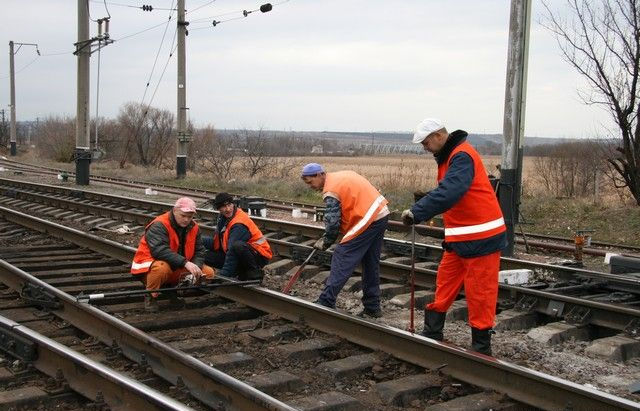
(474, 232)
(238, 248)
(355, 209)
(170, 250)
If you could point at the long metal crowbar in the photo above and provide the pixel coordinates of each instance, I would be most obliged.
(297, 274)
(413, 277)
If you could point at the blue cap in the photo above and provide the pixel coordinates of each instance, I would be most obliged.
(312, 169)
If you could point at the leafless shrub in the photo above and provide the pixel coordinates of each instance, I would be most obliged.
(213, 153)
(56, 138)
(148, 134)
(568, 169)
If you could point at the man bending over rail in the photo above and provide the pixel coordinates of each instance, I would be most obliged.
(238, 247)
(170, 249)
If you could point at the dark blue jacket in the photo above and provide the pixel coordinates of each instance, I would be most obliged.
(450, 190)
(239, 232)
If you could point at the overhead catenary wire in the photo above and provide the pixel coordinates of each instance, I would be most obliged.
(155, 61)
(22, 68)
(128, 5)
(201, 6)
(211, 22)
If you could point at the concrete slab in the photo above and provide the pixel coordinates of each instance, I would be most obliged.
(279, 267)
(276, 381)
(615, 348)
(307, 272)
(474, 402)
(515, 320)
(558, 332)
(274, 333)
(21, 397)
(328, 401)
(403, 391)
(390, 290)
(193, 345)
(353, 284)
(429, 265)
(320, 278)
(227, 362)
(517, 276)
(349, 366)
(399, 260)
(306, 349)
(422, 297)
(458, 311)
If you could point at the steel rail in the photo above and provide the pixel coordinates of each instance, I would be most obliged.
(430, 251)
(528, 386)
(84, 375)
(423, 229)
(206, 383)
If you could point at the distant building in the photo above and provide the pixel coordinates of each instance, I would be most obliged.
(317, 149)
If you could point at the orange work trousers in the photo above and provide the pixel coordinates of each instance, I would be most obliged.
(480, 278)
(160, 273)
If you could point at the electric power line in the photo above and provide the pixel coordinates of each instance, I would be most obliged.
(143, 7)
(22, 68)
(142, 31)
(201, 6)
(244, 13)
(158, 53)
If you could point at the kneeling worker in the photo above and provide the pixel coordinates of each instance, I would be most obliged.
(170, 248)
(238, 248)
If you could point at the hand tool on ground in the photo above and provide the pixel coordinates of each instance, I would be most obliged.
(413, 277)
(295, 276)
(222, 282)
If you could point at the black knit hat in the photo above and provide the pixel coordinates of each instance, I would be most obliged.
(222, 199)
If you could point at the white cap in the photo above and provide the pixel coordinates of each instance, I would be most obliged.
(426, 127)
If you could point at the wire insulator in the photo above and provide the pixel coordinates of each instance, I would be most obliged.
(245, 13)
(146, 7)
(266, 7)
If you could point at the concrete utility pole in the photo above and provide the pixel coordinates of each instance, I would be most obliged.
(183, 135)
(12, 81)
(83, 51)
(514, 110)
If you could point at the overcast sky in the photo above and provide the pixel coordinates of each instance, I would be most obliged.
(341, 65)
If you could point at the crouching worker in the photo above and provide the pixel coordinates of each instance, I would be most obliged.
(238, 248)
(170, 249)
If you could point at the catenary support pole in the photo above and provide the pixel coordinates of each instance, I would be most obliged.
(514, 111)
(83, 51)
(12, 81)
(183, 136)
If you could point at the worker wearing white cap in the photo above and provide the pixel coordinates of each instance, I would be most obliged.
(474, 232)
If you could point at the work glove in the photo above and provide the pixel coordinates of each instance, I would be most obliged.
(188, 280)
(321, 244)
(417, 195)
(407, 217)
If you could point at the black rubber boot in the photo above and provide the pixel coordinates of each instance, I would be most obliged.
(481, 340)
(433, 324)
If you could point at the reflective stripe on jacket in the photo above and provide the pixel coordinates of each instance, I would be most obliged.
(143, 259)
(257, 240)
(360, 202)
(477, 215)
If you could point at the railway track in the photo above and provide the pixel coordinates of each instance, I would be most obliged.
(537, 241)
(295, 353)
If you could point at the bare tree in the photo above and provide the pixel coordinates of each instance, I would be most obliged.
(601, 41)
(213, 153)
(148, 132)
(256, 157)
(56, 138)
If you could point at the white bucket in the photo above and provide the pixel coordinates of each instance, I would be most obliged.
(296, 213)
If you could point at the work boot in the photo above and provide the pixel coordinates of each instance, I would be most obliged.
(175, 301)
(370, 313)
(481, 340)
(252, 274)
(151, 304)
(433, 324)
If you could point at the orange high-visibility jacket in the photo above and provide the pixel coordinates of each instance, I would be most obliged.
(359, 200)
(477, 215)
(143, 258)
(257, 240)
